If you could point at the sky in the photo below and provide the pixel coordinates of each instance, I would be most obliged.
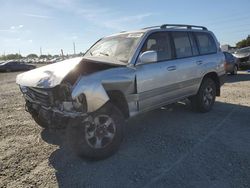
(52, 25)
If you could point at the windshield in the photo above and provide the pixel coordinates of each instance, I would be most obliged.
(117, 48)
(243, 50)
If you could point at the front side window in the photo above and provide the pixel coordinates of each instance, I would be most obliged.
(159, 42)
(116, 48)
(182, 44)
(206, 43)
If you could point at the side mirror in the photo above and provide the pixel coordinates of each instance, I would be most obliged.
(148, 57)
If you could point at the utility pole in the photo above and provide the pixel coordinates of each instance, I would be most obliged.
(62, 52)
(74, 47)
(19, 54)
(41, 51)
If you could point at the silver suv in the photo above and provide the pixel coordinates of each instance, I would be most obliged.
(121, 76)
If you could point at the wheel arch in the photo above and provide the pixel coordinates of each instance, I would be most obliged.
(118, 99)
(214, 76)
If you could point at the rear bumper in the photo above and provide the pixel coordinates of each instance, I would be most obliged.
(229, 67)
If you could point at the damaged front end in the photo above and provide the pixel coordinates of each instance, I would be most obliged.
(69, 90)
(54, 106)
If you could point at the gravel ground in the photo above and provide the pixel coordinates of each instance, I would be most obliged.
(168, 147)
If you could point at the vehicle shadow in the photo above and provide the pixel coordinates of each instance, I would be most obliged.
(242, 76)
(156, 141)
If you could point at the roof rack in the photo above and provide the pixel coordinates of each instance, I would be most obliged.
(165, 26)
(152, 27)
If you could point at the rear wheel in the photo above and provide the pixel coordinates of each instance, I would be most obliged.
(98, 136)
(205, 98)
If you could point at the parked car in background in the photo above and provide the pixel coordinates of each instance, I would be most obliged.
(15, 66)
(232, 64)
(243, 55)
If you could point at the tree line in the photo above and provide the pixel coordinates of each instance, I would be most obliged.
(243, 43)
(31, 56)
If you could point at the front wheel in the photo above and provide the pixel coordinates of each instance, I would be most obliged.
(98, 136)
(204, 100)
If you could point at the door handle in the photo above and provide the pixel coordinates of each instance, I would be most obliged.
(171, 68)
(199, 62)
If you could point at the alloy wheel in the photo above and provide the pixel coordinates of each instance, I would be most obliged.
(208, 96)
(100, 132)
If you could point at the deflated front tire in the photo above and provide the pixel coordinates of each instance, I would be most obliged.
(99, 135)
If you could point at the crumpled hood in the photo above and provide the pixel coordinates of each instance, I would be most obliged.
(48, 76)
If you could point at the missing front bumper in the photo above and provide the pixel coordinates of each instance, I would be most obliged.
(53, 117)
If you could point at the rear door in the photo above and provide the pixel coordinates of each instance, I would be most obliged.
(187, 61)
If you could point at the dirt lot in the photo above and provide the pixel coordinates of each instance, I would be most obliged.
(169, 147)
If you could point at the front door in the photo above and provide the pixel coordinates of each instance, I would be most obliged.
(156, 81)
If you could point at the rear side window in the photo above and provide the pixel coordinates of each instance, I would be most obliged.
(159, 42)
(193, 44)
(206, 43)
(182, 44)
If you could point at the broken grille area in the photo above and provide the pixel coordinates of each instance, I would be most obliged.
(39, 95)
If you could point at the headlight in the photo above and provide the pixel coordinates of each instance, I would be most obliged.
(64, 92)
(23, 89)
(80, 103)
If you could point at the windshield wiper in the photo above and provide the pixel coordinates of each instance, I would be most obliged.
(104, 53)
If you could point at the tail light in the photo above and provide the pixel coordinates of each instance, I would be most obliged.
(225, 65)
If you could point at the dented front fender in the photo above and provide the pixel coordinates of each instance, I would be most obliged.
(95, 86)
(94, 92)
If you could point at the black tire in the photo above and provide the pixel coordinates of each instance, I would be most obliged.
(234, 72)
(78, 132)
(40, 122)
(205, 98)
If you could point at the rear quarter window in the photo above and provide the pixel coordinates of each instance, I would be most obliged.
(206, 43)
